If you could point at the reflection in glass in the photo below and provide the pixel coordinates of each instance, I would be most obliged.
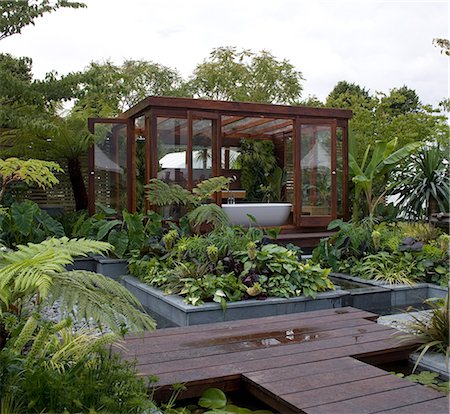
(140, 162)
(172, 138)
(316, 169)
(110, 152)
(201, 150)
(289, 169)
(339, 172)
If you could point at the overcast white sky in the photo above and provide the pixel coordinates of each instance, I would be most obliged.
(376, 44)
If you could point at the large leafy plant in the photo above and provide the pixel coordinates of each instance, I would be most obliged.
(25, 222)
(259, 171)
(384, 158)
(40, 269)
(127, 234)
(228, 264)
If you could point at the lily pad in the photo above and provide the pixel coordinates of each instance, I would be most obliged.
(213, 398)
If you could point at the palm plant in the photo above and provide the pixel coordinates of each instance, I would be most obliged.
(425, 184)
(31, 172)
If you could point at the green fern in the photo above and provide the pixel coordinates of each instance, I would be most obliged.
(162, 194)
(31, 268)
(100, 298)
(206, 188)
(208, 213)
(41, 268)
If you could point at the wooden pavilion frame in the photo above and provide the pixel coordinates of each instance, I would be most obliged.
(227, 122)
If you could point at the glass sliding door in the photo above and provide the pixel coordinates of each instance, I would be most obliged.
(318, 174)
(109, 165)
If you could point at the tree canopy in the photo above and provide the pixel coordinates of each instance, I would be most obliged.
(16, 14)
(108, 89)
(384, 116)
(229, 74)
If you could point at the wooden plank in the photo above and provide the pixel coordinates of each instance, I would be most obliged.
(435, 406)
(299, 349)
(234, 108)
(260, 360)
(241, 333)
(176, 351)
(344, 391)
(297, 370)
(214, 328)
(378, 401)
(313, 382)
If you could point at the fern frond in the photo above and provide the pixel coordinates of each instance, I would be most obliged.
(31, 268)
(74, 347)
(26, 333)
(162, 194)
(208, 213)
(100, 298)
(206, 188)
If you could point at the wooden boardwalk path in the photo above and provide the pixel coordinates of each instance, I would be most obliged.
(314, 362)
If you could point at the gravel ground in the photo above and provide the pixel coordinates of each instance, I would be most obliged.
(400, 320)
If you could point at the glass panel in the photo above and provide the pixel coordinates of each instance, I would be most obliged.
(172, 138)
(110, 152)
(140, 162)
(201, 150)
(229, 157)
(339, 172)
(316, 170)
(289, 170)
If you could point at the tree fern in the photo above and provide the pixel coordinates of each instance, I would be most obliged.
(208, 213)
(31, 268)
(41, 268)
(162, 194)
(100, 298)
(206, 188)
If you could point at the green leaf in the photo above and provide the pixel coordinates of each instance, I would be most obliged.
(23, 215)
(119, 240)
(106, 227)
(51, 226)
(213, 398)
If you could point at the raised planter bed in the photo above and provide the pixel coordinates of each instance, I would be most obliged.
(390, 297)
(83, 263)
(171, 310)
(113, 268)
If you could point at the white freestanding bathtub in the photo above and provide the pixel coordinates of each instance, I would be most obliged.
(266, 214)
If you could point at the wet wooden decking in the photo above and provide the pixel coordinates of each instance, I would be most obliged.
(315, 362)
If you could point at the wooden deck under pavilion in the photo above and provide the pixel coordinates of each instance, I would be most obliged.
(315, 362)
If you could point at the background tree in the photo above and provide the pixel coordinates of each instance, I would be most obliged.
(108, 89)
(383, 117)
(16, 14)
(347, 95)
(60, 139)
(24, 101)
(232, 75)
(444, 44)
